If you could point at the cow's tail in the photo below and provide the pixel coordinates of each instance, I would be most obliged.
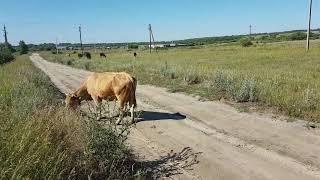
(133, 83)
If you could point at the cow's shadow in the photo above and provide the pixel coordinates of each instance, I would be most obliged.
(158, 116)
(174, 163)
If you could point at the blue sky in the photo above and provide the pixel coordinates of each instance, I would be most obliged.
(37, 21)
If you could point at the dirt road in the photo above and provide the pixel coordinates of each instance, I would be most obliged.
(210, 140)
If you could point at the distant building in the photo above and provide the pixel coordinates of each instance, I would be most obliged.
(62, 48)
(153, 46)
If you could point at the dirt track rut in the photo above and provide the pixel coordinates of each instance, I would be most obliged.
(209, 140)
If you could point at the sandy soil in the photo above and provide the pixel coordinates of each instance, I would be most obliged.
(183, 138)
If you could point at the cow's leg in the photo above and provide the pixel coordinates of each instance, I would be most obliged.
(121, 112)
(97, 102)
(132, 113)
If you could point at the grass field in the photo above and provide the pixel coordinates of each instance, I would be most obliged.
(40, 139)
(278, 75)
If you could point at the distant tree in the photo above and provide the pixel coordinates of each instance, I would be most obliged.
(246, 42)
(297, 36)
(23, 47)
(133, 46)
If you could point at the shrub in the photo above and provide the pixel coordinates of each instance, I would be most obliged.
(69, 62)
(224, 84)
(247, 91)
(80, 55)
(169, 72)
(23, 47)
(192, 77)
(246, 42)
(5, 56)
(86, 66)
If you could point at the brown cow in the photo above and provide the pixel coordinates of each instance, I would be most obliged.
(108, 86)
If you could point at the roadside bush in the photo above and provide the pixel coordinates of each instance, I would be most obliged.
(247, 91)
(86, 66)
(192, 77)
(5, 56)
(224, 84)
(169, 72)
(245, 42)
(69, 62)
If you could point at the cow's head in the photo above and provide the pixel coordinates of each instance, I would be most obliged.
(72, 101)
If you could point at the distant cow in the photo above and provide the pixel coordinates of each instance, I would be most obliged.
(135, 54)
(103, 55)
(88, 55)
(106, 86)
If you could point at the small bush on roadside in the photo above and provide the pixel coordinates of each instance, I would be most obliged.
(5, 56)
(192, 77)
(169, 72)
(224, 84)
(86, 66)
(69, 62)
(247, 91)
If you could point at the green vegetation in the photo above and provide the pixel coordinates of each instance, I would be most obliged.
(246, 42)
(40, 139)
(279, 75)
(23, 48)
(133, 46)
(5, 56)
(258, 38)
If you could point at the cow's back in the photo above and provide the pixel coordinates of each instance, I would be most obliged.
(107, 84)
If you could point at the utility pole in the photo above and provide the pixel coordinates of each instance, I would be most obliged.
(6, 43)
(250, 31)
(150, 30)
(309, 26)
(151, 38)
(80, 40)
(57, 46)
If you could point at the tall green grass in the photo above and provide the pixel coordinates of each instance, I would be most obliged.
(279, 75)
(40, 139)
